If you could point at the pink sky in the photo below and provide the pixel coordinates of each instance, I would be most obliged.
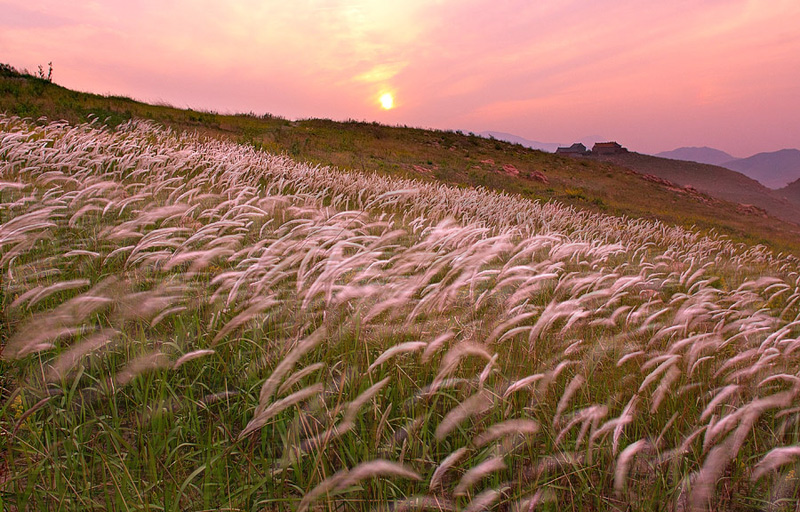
(653, 75)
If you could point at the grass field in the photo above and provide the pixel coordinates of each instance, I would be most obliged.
(194, 324)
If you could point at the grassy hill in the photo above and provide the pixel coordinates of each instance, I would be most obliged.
(431, 155)
(189, 323)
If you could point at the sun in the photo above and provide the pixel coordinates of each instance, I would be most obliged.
(387, 101)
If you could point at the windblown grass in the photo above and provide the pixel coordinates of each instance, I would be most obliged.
(191, 324)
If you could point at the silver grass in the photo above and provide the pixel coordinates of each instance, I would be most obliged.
(353, 407)
(523, 383)
(286, 364)
(317, 442)
(663, 388)
(521, 427)
(305, 246)
(574, 385)
(256, 308)
(44, 292)
(435, 345)
(447, 463)
(346, 478)
(153, 361)
(484, 500)
(437, 503)
(653, 375)
(476, 473)
(529, 504)
(487, 370)
(774, 459)
(719, 397)
(631, 355)
(478, 403)
(167, 312)
(453, 356)
(588, 417)
(299, 375)
(68, 359)
(624, 462)
(190, 356)
(402, 348)
(279, 406)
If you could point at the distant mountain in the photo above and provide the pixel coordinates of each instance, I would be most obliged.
(550, 147)
(715, 181)
(775, 170)
(702, 155)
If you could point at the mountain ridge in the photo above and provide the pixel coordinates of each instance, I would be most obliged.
(775, 169)
(702, 155)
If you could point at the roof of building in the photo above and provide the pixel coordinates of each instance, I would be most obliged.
(575, 147)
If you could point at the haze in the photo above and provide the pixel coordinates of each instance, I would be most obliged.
(653, 75)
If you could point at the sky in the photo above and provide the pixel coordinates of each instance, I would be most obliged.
(650, 74)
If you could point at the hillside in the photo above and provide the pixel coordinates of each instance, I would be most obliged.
(775, 169)
(187, 323)
(717, 182)
(791, 191)
(549, 147)
(702, 155)
(428, 155)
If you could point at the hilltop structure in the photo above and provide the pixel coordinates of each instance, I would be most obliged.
(599, 149)
(575, 149)
(608, 148)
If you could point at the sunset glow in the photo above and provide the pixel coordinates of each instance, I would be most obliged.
(653, 75)
(387, 101)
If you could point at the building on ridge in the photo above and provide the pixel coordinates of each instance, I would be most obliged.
(575, 149)
(608, 148)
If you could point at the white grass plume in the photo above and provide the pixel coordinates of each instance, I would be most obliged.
(478, 472)
(300, 375)
(190, 356)
(286, 364)
(574, 385)
(774, 459)
(521, 427)
(346, 478)
(523, 383)
(147, 362)
(402, 348)
(484, 500)
(278, 406)
(624, 462)
(436, 344)
(444, 466)
(478, 403)
(353, 407)
(68, 359)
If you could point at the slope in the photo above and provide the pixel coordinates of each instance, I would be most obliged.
(715, 181)
(428, 155)
(275, 333)
(791, 191)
